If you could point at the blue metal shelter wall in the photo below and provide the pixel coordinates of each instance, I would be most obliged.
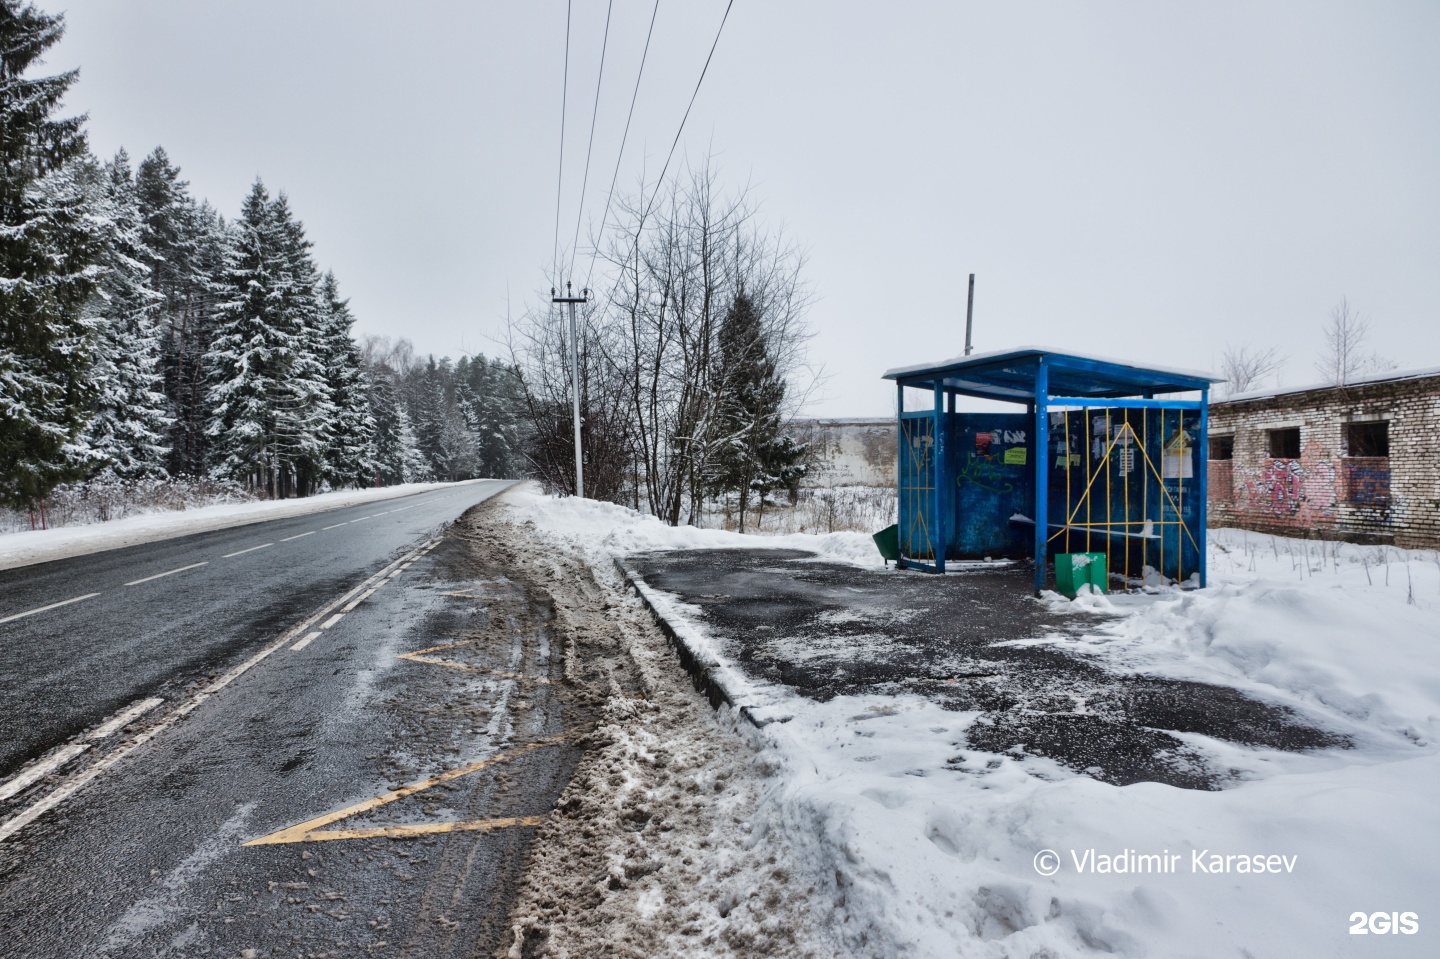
(1128, 483)
(989, 465)
(920, 527)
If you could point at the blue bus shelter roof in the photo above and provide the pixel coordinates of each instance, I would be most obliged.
(1010, 375)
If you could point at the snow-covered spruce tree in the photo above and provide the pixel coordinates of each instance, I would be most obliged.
(350, 458)
(269, 405)
(494, 393)
(431, 421)
(305, 411)
(49, 242)
(387, 414)
(187, 243)
(751, 455)
(129, 425)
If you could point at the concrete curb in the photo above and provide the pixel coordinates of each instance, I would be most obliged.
(708, 674)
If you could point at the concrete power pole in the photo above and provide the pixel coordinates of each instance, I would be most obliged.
(574, 379)
(969, 314)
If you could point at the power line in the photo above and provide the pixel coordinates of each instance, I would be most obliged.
(594, 111)
(693, 95)
(560, 171)
(614, 177)
(645, 211)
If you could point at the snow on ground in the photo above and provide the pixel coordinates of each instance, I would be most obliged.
(937, 849)
(41, 546)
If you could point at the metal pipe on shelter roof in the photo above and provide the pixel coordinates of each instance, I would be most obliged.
(969, 314)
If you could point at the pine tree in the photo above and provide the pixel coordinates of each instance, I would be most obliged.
(430, 422)
(128, 424)
(270, 406)
(752, 454)
(187, 245)
(388, 416)
(305, 412)
(48, 248)
(351, 454)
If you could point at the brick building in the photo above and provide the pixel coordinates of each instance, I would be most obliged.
(1359, 462)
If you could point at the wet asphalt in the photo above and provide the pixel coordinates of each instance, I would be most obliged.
(149, 858)
(825, 630)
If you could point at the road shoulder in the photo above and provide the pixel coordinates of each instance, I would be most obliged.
(662, 844)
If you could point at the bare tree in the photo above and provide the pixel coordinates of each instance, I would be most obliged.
(1244, 369)
(678, 270)
(1344, 355)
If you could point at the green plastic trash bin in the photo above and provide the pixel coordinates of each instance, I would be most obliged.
(888, 542)
(1073, 570)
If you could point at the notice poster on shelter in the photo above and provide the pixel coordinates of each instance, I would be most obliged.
(1177, 462)
(1015, 456)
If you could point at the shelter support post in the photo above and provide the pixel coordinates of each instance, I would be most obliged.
(1042, 475)
(1204, 458)
(899, 465)
(937, 450)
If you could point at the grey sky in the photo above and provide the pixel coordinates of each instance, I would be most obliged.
(1149, 181)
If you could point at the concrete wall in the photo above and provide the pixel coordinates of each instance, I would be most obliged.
(850, 452)
(1325, 492)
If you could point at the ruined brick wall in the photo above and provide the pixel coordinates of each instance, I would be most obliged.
(1325, 492)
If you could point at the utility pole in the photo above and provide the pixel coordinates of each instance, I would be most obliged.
(571, 300)
(969, 314)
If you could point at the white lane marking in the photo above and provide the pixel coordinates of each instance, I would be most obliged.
(332, 621)
(386, 513)
(125, 718)
(40, 770)
(360, 518)
(41, 609)
(244, 551)
(297, 536)
(309, 638)
(83, 778)
(360, 599)
(336, 526)
(168, 572)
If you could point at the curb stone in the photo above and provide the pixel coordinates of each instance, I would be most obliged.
(708, 674)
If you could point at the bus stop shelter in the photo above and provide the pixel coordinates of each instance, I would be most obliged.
(1108, 457)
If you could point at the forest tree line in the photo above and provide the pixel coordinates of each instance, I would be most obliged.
(145, 337)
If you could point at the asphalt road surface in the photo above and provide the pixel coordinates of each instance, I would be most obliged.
(266, 755)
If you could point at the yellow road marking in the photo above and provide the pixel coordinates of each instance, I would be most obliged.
(422, 829)
(417, 658)
(310, 830)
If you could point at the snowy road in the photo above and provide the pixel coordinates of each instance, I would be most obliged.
(84, 639)
(373, 783)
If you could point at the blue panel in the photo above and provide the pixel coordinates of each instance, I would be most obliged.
(990, 479)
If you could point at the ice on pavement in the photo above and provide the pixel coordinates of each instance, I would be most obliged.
(933, 845)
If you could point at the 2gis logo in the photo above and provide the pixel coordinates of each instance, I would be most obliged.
(1380, 923)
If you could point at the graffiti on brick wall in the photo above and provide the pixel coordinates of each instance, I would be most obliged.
(1296, 492)
(1367, 480)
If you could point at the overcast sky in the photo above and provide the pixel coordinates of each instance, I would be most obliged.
(1148, 181)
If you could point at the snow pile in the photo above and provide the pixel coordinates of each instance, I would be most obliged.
(43, 546)
(602, 531)
(938, 849)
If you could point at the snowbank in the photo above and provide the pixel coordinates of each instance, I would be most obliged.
(945, 850)
(42, 546)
